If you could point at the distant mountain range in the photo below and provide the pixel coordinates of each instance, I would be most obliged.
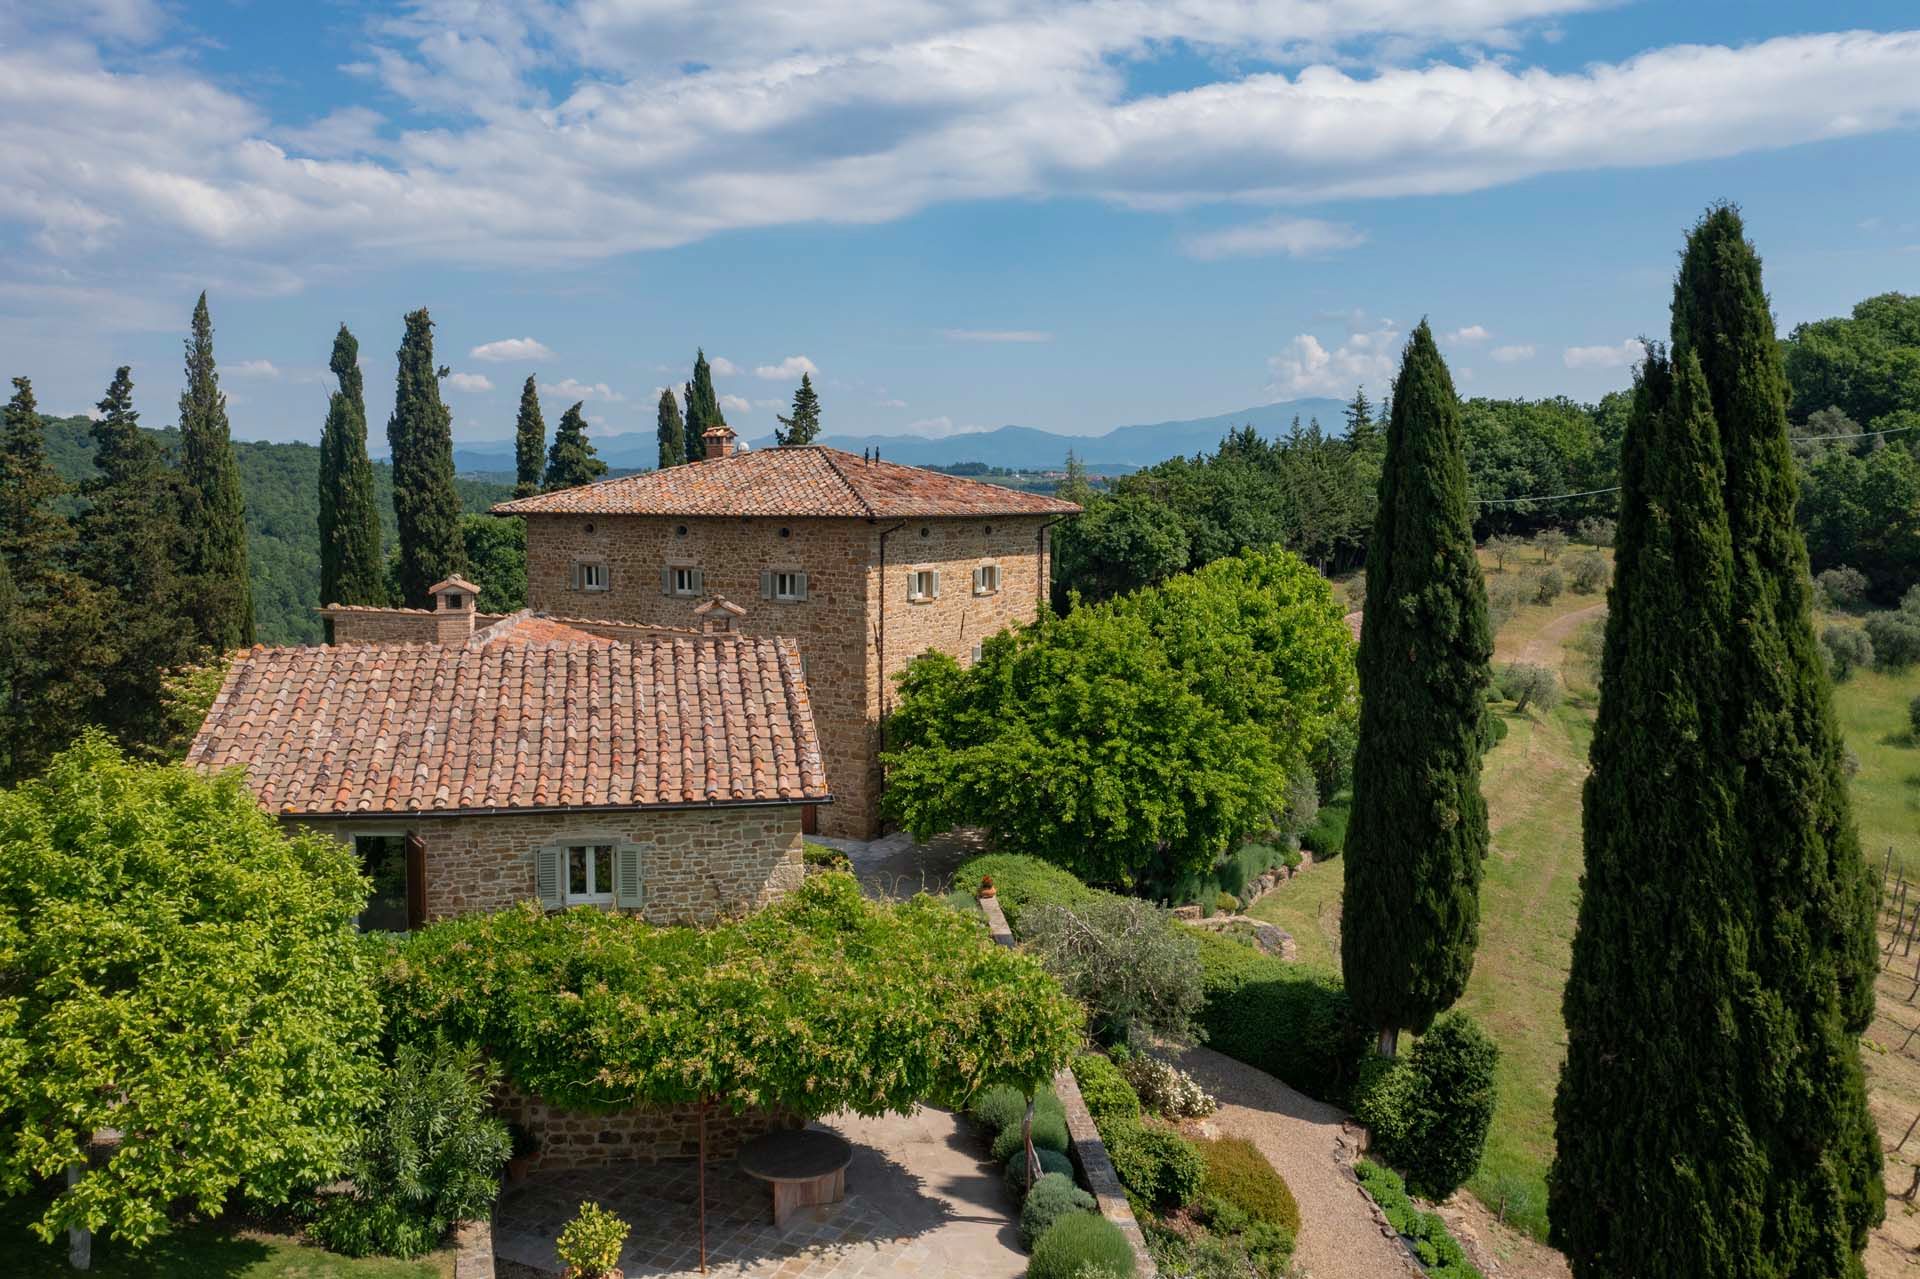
(1124, 448)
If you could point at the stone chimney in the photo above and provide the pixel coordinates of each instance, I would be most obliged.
(719, 440)
(718, 614)
(453, 608)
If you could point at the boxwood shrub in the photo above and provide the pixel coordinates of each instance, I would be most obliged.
(1439, 1252)
(1016, 1174)
(1082, 1245)
(1104, 1089)
(997, 1109)
(1291, 1020)
(1158, 1166)
(1238, 1173)
(1052, 1197)
(1049, 1133)
(1429, 1112)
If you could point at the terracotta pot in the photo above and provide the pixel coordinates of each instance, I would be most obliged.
(520, 1165)
(986, 887)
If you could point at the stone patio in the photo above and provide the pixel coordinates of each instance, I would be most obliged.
(922, 1200)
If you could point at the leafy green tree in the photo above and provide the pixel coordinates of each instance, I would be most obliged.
(351, 568)
(805, 422)
(529, 442)
(1418, 834)
(132, 546)
(1119, 544)
(215, 511)
(184, 972)
(497, 561)
(703, 408)
(1121, 957)
(670, 431)
(1711, 1118)
(572, 461)
(1866, 364)
(425, 502)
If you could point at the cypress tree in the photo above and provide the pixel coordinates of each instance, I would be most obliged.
(671, 432)
(703, 407)
(132, 545)
(1732, 1138)
(352, 570)
(33, 533)
(529, 442)
(425, 503)
(1418, 834)
(572, 461)
(214, 510)
(805, 422)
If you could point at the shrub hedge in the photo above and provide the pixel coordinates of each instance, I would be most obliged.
(1020, 881)
(1049, 1133)
(1328, 834)
(1429, 1112)
(1052, 1197)
(1439, 1252)
(1016, 1173)
(1291, 1020)
(1001, 1108)
(1104, 1089)
(1158, 1166)
(1238, 1173)
(1082, 1245)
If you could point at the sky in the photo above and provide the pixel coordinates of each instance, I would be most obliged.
(953, 215)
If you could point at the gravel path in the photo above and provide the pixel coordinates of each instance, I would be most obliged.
(1300, 1136)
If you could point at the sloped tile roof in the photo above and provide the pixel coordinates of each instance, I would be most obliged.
(812, 480)
(420, 728)
(528, 627)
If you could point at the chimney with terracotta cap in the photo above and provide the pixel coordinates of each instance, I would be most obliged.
(719, 440)
(453, 607)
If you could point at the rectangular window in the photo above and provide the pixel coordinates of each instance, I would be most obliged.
(383, 859)
(986, 580)
(589, 873)
(789, 586)
(923, 584)
(686, 581)
(976, 654)
(591, 576)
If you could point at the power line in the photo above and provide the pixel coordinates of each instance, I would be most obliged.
(1798, 439)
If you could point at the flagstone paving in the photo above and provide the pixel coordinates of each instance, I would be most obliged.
(922, 1200)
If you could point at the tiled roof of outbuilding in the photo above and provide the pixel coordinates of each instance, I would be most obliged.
(810, 480)
(420, 728)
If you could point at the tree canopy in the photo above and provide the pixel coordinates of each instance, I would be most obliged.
(572, 461)
(529, 441)
(350, 560)
(805, 422)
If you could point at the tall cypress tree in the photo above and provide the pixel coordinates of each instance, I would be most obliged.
(33, 533)
(805, 422)
(425, 502)
(351, 568)
(215, 512)
(1418, 835)
(132, 545)
(703, 407)
(572, 461)
(529, 442)
(1731, 907)
(670, 431)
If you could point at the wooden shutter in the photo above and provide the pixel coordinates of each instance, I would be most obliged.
(550, 875)
(979, 581)
(913, 580)
(799, 586)
(626, 876)
(666, 580)
(766, 583)
(416, 880)
(699, 581)
(935, 594)
(573, 578)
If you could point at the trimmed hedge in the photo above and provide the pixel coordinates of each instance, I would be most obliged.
(1021, 881)
(1439, 1252)
(1157, 1166)
(1238, 1173)
(1052, 1197)
(1016, 1173)
(1291, 1020)
(1429, 1112)
(1049, 1133)
(997, 1109)
(1082, 1245)
(1104, 1089)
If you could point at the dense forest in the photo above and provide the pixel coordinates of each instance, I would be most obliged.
(281, 484)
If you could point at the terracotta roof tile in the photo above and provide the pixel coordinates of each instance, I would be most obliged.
(813, 480)
(518, 721)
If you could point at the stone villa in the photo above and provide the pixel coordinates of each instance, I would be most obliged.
(864, 564)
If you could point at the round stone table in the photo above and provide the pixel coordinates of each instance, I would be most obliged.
(804, 1167)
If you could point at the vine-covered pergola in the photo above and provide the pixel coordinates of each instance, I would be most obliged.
(825, 1001)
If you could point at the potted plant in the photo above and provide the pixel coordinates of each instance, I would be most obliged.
(526, 1148)
(589, 1245)
(986, 886)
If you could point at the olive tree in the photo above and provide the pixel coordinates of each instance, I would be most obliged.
(180, 971)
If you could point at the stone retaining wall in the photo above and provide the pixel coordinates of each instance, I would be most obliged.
(1089, 1152)
(646, 1134)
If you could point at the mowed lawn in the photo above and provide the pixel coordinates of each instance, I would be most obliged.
(1530, 896)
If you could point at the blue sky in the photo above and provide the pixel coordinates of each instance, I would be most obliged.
(960, 215)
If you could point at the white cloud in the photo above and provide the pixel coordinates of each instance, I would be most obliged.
(769, 404)
(1307, 367)
(738, 403)
(722, 366)
(569, 389)
(995, 335)
(1295, 237)
(931, 427)
(469, 382)
(892, 404)
(509, 349)
(788, 369)
(1471, 333)
(1621, 355)
(252, 369)
(1512, 354)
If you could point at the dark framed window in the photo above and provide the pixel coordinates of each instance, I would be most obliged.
(383, 859)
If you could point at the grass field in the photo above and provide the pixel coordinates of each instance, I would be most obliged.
(1529, 898)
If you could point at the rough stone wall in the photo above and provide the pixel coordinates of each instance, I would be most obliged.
(582, 1139)
(392, 625)
(838, 627)
(699, 864)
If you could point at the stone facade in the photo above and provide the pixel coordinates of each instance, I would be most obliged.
(353, 624)
(645, 1134)
(856, 628)
(698, 865)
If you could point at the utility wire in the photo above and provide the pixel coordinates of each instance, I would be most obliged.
(1798, 439)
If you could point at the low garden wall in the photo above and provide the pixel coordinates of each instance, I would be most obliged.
(645, 1134)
